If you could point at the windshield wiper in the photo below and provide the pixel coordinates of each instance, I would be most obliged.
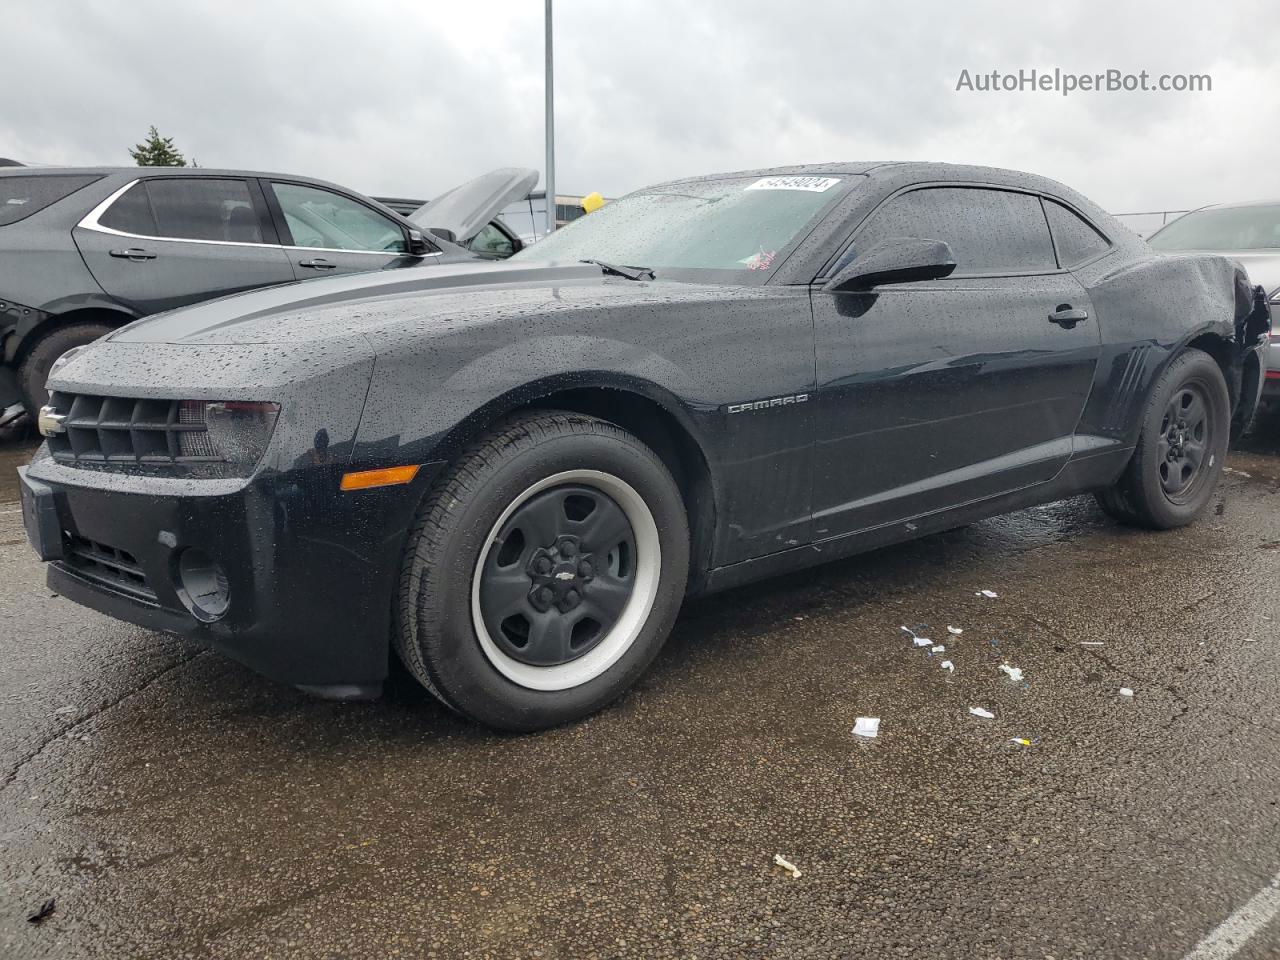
(631, 273)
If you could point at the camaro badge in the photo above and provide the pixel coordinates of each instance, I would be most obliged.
(50, 422)
(765, 404)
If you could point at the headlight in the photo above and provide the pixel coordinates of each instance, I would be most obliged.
(63, 360)
(235, 431)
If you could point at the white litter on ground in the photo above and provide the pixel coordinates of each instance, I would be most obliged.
(1250, 640)
(939, 648)
(1014, 673)
(989, 594)
(980, 712)
(867, 727)
(1021, 741)
(1126, 692)
(948, 665)
(787, 865)
(1090, 643)
(954, 631)
(921, 641)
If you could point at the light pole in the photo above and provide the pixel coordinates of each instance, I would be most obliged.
(551, 132)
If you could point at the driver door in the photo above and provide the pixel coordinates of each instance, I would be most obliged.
(942, 392)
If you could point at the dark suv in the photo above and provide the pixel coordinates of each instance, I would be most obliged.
(86, 250)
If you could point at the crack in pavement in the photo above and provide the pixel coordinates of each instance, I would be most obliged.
(23, 761)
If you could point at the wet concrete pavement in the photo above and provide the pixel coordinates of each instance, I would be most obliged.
(176, 805)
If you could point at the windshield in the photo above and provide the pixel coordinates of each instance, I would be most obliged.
(1223, 228)
(740, 223)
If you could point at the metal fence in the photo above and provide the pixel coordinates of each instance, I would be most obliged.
(1146, 223)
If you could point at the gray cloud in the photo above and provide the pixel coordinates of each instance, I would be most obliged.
(413, 97)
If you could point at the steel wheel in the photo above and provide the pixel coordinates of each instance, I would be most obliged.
(1183, 446)
(566, 580)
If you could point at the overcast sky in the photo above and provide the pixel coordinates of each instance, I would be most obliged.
(410, 98)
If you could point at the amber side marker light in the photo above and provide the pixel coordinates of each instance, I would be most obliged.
(387, 477)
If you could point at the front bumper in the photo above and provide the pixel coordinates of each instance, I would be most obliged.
(310, 571)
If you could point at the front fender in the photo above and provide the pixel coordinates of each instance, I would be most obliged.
(419, 398)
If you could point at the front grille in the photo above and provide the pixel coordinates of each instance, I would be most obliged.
(109, 566)
(125, 431)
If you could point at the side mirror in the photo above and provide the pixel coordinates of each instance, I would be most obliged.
(418, 246)
(894, 261)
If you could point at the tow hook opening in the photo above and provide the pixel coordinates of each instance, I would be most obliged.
(202, 585)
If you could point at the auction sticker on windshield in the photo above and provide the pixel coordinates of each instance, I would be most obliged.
(812, 184)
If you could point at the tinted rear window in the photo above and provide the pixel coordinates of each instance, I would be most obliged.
(22, 196)
(990, 231)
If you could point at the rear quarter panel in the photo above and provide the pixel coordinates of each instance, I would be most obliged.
(42, 273)
(1148, 308)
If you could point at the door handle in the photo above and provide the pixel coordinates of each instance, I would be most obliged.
(317, 264)
(1068, 316)
(133, 253)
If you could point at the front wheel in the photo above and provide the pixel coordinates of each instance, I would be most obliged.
(1181, 449)
(544, 573)
(35, 368)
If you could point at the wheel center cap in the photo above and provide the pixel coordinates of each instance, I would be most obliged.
(559, 575)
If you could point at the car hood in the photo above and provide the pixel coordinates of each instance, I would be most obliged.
(462, 211)
(382, 306)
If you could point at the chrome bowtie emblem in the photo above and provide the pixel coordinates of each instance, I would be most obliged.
(50, 422)
(564, 575)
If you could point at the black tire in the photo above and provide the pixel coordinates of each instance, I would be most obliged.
(468, 538)
(34, 370)
(1173, 472)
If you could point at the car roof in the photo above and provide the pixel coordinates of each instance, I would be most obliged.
(134, 172)
(905, 172)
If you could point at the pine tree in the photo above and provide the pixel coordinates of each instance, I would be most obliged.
(157, 151)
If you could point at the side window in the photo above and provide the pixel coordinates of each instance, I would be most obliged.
(1077, 240)
(990, 231)
(491, 242)
(206, 208)
(131, 213)
(21, 196)
(321, 218)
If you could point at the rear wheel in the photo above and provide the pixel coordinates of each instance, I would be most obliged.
(35, 368)
(544, 574)
(1179, 457)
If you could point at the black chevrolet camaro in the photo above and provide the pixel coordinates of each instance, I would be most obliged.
(513, 473)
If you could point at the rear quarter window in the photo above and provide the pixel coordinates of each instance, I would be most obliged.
(21, 196)
(1077, 240)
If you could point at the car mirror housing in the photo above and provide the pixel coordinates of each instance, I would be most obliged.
(418, 246)
(894, 261)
